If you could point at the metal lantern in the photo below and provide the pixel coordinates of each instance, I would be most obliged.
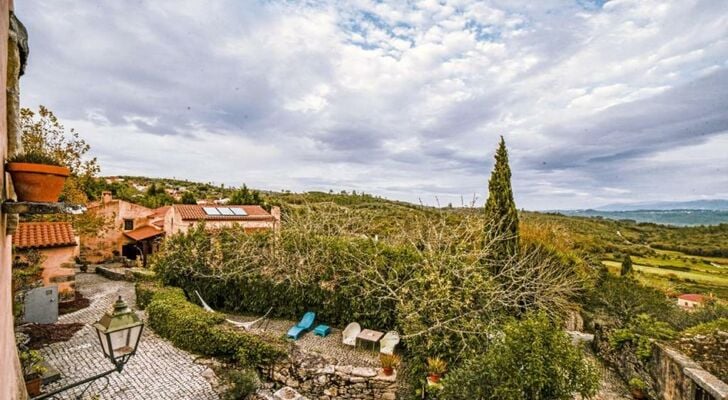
(119, 331)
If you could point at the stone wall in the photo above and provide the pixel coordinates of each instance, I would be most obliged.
(710, 350)
(316, 378)
(670, 374)
(676, 376)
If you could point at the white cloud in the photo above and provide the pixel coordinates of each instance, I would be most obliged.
(403, 99)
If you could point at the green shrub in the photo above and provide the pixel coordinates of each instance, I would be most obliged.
(144, 292)
(243, 383)
(191, 328)
(324, 285)
(35, 157)
(531, 359)
(708, 328)
(144, 275)
(641, 331)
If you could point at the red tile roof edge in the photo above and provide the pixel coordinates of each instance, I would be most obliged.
(39, 235)
(692, 297)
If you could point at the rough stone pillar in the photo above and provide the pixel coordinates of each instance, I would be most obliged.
(17, 57)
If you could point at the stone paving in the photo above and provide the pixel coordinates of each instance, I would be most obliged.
(157, 371)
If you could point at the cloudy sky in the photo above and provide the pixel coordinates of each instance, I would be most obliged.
(598, 102)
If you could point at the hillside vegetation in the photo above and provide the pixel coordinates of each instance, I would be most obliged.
(673, 259)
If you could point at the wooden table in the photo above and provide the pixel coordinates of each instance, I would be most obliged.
(369, 335)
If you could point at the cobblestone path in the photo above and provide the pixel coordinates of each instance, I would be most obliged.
(157, 371)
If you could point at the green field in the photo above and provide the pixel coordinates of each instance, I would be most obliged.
(692, 280)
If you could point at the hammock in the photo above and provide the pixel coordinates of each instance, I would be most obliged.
(245, 325)
(249, 325)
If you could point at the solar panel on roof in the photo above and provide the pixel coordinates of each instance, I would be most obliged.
(225, 211)
(211, 211)
(238, 211)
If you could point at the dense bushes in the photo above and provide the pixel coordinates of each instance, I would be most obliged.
(247, 273)
(615, 300)
(531, 359)
(191, 328)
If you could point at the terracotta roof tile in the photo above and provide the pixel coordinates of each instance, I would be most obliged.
(692, 297)
(144, 232)
(44, 234)
(196, 212)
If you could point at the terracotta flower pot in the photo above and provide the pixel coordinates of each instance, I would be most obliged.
(388, 371)
(434, 378)
(38, 182)
(32, 386)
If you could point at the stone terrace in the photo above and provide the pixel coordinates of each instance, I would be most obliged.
(157, 371)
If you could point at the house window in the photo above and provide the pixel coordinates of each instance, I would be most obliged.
(128, 224)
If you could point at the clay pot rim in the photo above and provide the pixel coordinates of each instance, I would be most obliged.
(38, 168)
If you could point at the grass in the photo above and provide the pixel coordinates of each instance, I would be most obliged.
(677, 282)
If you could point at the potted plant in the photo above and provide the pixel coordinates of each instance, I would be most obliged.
(638, 387)
(389, 363)
(33, 370)
(37, 176)
(435, 368)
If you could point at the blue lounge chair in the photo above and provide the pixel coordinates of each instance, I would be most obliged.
(304, 325)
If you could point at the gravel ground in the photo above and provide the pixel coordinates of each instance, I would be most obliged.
(329, 347)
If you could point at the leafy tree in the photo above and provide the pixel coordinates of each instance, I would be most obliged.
(188, 198)
(529, 359)
(153, 190)
(42, 132)
(618, 299)
(500, 209)
(245, 196)
(626, 266)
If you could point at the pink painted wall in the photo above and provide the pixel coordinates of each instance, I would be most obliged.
(57, 263)
(11, 381)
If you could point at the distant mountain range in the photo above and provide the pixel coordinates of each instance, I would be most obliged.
(680, 213)
(715, 204)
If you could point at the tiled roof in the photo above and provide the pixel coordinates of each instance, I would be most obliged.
(144, 232)
(43, 234)
(159, 212)
(196, 212)
(698, 298)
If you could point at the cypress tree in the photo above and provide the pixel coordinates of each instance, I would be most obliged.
(626, 266)
(500, 209)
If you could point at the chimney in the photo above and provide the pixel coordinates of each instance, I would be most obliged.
(275, 211)
(106, 196)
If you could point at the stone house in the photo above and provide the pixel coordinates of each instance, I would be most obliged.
(131, 230)
(180, 217)
(58, 246)
(689, 301)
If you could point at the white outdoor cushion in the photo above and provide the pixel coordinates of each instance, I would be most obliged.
(350, 333)
(389, 342)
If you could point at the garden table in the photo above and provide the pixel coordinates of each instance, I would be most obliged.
(369, 335)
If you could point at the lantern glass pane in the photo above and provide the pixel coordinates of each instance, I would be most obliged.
(104, 343)
(120, 342)
(134, 336)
